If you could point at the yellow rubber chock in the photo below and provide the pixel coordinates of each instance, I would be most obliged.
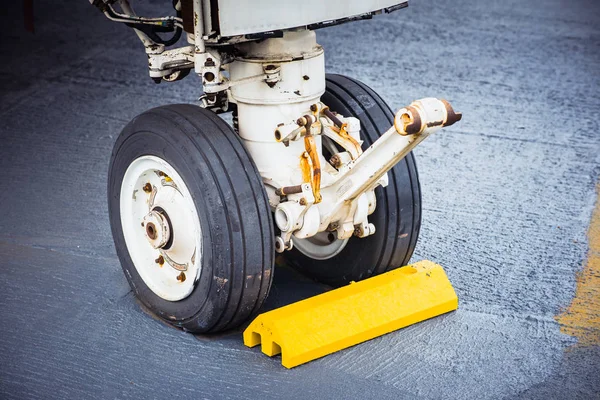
(344, 317)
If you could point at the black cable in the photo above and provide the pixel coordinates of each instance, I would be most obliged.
(134, 20)
(147, 27)
(152, 32)
(175, 38)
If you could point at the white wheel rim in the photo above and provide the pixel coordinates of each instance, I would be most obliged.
(320, 246)
(175, 279)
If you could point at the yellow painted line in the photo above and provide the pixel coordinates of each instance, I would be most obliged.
(582, 318)
(344, 317)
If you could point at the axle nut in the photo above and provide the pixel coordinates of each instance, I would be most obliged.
(156, 229)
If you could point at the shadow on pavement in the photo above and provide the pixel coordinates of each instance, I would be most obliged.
(289, 286)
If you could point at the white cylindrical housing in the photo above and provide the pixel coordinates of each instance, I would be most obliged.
(262, 106)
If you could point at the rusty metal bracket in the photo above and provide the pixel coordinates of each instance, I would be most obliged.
(340, 128)
(313, 155)
(344, 134)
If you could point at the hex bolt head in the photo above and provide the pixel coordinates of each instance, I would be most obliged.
(181, 277)
(147, 187)
(335, 160)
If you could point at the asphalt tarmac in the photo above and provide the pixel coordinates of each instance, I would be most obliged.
(509, 209)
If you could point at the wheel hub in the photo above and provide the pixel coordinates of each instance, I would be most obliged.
(322, 246)
(158, 231)
(155, 196)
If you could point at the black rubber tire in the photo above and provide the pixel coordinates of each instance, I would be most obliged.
(237, 227)
(397, 217)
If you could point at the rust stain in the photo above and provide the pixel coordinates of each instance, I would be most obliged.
(285, 190)
(305, 168)
(311, 149)
(345, 135)
(452, 116)
(411, 121)
(582, 318)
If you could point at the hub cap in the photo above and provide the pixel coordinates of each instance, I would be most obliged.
(161, 227)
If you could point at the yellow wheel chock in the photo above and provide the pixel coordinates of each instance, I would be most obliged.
(344, 317)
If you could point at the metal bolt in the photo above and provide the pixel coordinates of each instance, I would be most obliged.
(335, 160)
(313, 108)
(303, 201)
(306, 77)
(160, 260)
(147, 187)
(181, 277)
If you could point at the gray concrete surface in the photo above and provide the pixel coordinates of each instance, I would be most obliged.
(508, 194)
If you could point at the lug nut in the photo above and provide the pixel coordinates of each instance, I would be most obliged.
(160, 260)
(147, 187)
(181, 277)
